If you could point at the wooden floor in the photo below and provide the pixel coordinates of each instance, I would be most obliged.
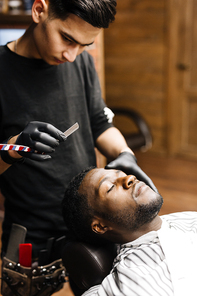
(175, 179)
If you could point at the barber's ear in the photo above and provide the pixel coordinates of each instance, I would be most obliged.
(38, 8)
(99, 227)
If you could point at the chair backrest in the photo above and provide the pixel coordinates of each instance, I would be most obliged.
(141, 138)
(87, 264)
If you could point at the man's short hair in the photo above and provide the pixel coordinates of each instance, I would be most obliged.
(98, 13)
(77, 213)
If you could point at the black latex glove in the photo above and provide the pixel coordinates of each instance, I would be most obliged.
(127, 163)
(42, 137)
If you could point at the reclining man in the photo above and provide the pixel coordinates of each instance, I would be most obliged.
(157, 254)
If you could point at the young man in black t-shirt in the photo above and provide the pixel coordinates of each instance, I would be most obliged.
(48, 82)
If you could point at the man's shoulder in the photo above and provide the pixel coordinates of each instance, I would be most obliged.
(2, 47)
(180, 215)
(2, 50)
(85, 57)
(182, 220)
(4, 60)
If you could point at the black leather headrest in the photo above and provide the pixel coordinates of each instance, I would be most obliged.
(88, 264)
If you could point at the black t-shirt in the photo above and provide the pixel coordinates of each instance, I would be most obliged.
(61, 95)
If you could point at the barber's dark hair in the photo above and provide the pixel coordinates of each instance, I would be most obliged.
(77, 213)
(98, 13)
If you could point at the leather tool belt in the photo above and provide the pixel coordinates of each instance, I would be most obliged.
(31, 281)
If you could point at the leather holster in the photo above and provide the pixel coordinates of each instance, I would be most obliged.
(27, 281)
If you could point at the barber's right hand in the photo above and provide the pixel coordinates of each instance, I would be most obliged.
(41, 137)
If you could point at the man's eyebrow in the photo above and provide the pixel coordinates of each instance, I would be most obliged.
(106, 178)
(74, 40)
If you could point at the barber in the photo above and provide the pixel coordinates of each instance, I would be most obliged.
(48, 82)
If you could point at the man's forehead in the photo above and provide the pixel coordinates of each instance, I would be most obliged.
(79, 29)
(94, 175)
(97, 176)
(91, 180)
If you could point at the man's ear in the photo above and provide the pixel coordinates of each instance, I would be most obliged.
(99, 227)
(38, 8)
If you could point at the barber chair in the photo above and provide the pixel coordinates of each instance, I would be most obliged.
(137, 137)
(87, 265)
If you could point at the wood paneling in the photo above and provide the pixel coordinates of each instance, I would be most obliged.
(150, 63)
(135, 62)
(182, 82)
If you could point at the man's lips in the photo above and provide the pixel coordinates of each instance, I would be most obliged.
(59, 61)
(137, 188)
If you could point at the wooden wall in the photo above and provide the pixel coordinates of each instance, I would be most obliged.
(135, 63)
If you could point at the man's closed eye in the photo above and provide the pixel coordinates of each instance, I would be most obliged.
(110, 188)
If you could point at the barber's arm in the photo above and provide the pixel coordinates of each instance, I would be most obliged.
(112, 144)
(40, 136)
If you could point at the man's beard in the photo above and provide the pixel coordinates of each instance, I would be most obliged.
(134, 219)
(145, 213)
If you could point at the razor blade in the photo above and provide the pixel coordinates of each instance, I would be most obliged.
(71, 129)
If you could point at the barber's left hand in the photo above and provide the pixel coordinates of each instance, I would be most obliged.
(127, 163)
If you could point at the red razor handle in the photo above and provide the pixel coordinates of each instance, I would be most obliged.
(25, 255)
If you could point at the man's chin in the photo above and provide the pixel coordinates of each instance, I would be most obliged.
(147, 212)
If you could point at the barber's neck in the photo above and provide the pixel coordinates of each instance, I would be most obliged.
(25, 45)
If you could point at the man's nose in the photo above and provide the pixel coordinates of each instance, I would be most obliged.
(71, 53)
(129, 181)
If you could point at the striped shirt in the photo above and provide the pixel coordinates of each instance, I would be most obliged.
(141, 268)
